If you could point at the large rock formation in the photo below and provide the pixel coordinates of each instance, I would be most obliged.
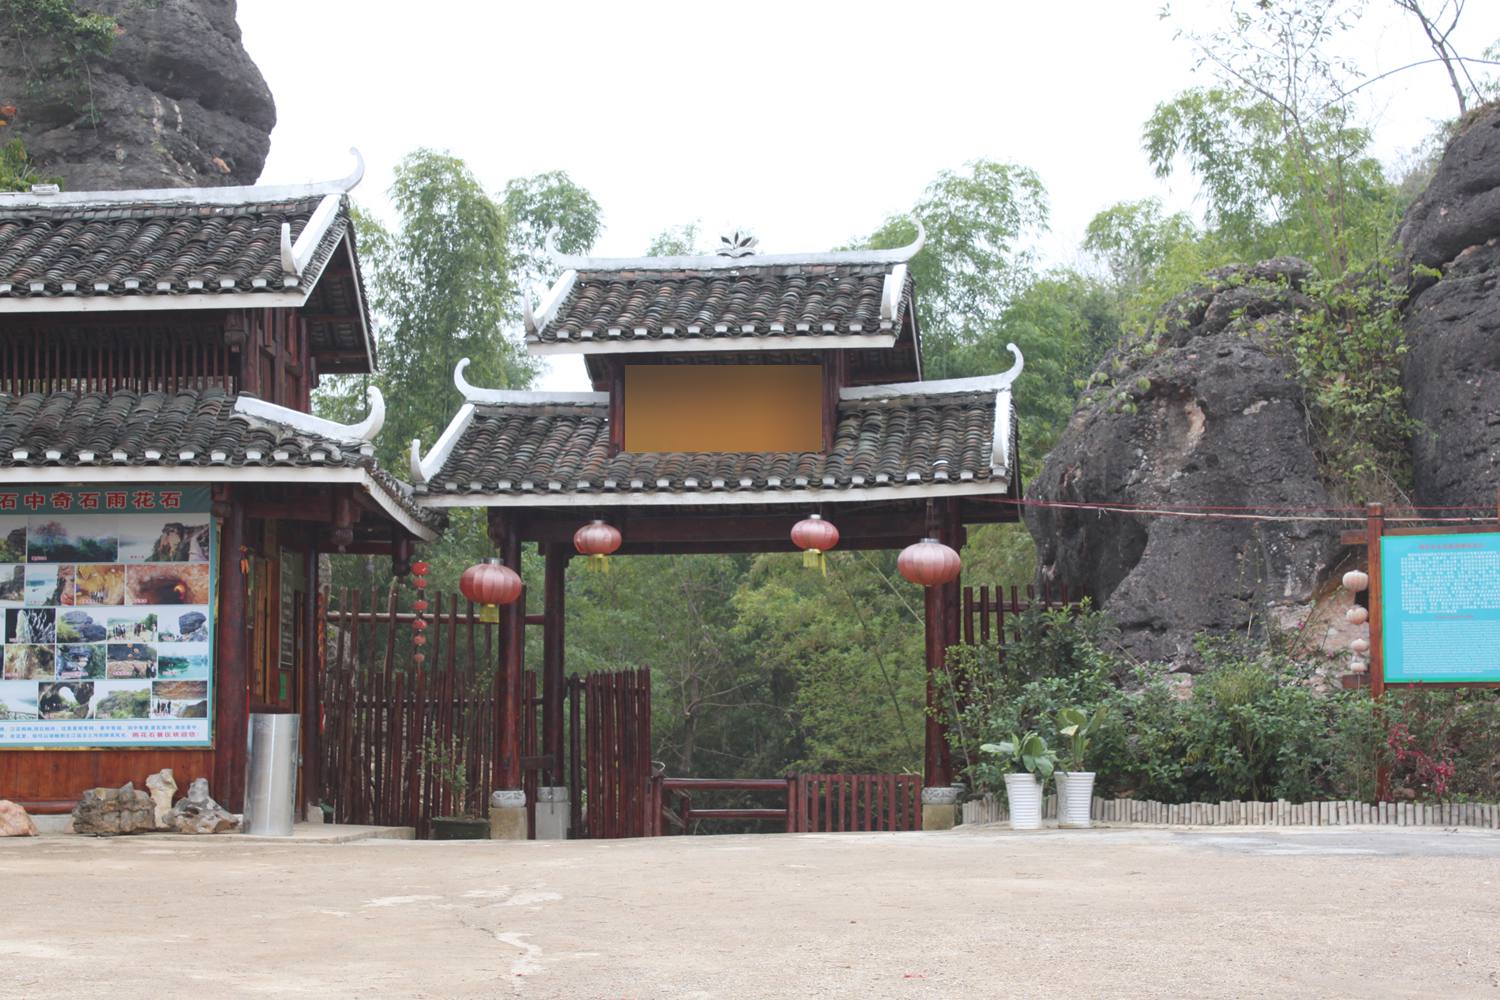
(1452, 368)
(109, 812)
(176, 103)
(1209, 414)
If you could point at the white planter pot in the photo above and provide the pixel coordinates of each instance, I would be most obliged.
(1024, 794)
(1075, 796)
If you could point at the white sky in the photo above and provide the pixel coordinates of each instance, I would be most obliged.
(807, 123)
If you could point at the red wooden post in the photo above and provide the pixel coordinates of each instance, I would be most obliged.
(513, 651)
(552, 659)
(312, 663)
(1374, 528)
(232, 716)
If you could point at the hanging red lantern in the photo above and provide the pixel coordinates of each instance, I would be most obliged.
(490, 583)
(419, 568)
(419, 624)
(419, 605)
(815, 536)
(597, 540)
(929, 563)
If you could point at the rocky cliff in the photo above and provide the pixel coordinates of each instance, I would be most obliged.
(1209, 413)
(175, 101)
(1452, 369)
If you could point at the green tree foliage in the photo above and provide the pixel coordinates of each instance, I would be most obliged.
(977, 221)
(16, 172)
(57, 45)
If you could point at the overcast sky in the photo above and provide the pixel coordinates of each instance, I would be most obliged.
(807, 123)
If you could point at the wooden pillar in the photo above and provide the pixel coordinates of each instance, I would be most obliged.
(512, 664)
(553, 637)
(232, 690)
(1374, 528)
(942, 621)
(312, 661)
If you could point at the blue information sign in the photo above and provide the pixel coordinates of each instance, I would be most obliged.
(1440, 608)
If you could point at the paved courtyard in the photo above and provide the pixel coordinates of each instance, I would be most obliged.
(974, 913)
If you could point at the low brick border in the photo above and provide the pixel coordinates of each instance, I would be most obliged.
(1280, 813)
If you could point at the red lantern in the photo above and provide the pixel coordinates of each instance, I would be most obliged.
(419, 605)
(419, 568)
(419, 639)
(597, 540)
(929, 563)
(490, 583)
(419, 624)
(814, 536)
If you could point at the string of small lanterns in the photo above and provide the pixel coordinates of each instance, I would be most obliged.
(1355, 581)
(419, 610)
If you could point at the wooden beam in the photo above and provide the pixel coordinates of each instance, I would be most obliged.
(639, 528)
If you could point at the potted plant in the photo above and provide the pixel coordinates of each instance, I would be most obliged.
(450, 770)
(1075, 786)
(1031, 764)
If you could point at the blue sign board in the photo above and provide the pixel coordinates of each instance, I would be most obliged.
(1440, 608)
(106, 616)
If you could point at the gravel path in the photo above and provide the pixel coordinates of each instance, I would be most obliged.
(974, 913)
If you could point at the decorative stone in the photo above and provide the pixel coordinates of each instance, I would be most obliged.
(199, 813)
(110, 812)
(508, 814)
(162, 786)
(14, 821)
(508, 799)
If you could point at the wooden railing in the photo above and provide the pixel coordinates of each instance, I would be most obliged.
(989, 616)
(810, 803)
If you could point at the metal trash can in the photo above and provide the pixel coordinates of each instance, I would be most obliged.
(271, 774)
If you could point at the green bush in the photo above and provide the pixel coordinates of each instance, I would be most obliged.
(1255, 725)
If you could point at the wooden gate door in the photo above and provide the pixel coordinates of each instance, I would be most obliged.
(609, 754)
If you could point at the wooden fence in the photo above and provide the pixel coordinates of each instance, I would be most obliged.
(1279, 813)
(609, 767)
(380, 709)
(809, 803)
(988, 616)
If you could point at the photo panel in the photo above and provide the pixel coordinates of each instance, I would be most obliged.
(132, 660)
(182, 624)
(72, 538)
(80, 625)
(49, 586)
(30, 625)
(12, 538)
(167, 583)
(18, 701)
(120, 700)
(132, 624)
(24, 662)
(98, 584)
(179, 700)
(66, 700)
(182, 661)
(164, 538)
(12, 584)
(81, 661)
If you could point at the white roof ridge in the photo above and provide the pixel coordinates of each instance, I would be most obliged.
(715, 262)
(247, 194)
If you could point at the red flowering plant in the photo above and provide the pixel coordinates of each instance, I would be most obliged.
(1416, 768)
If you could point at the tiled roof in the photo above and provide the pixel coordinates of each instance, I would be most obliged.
(155, 249)
(541, 450)
(784, 302)
(96, 432)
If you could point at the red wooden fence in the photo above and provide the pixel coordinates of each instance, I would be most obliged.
(811, 803)
(610, 753)
(988, 615)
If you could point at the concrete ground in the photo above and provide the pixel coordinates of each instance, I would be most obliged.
(978, 912)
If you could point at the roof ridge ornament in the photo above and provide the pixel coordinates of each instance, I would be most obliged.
(363, 431)
(738, 245)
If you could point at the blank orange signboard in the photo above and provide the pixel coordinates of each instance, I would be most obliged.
(723, 408)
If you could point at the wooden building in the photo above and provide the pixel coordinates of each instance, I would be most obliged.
(732, 396)
(164, 491)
